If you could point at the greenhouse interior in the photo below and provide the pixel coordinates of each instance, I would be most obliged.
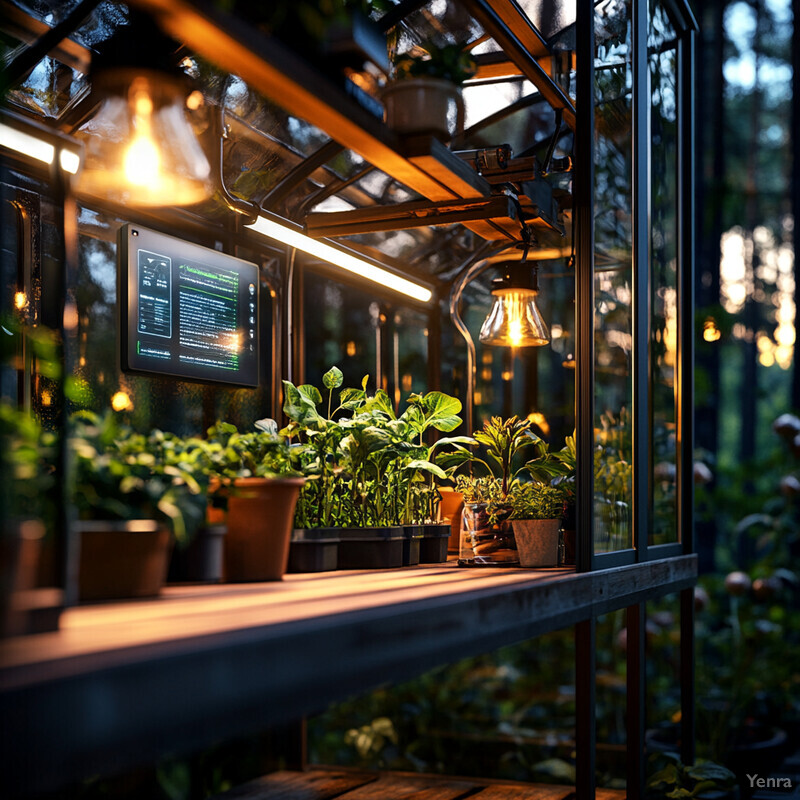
(347, 395)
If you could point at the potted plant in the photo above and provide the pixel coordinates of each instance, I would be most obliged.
(507, 492)
(25, 457)
(128, 503)
(369, 472)
(425, 86)
(255, 479)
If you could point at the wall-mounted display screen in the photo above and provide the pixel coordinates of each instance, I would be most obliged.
(185, 310)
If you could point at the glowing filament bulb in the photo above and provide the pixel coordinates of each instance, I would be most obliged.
(142, 162)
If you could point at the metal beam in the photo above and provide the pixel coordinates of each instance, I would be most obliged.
(515, 34)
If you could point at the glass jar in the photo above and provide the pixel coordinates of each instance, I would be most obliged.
(484, 542)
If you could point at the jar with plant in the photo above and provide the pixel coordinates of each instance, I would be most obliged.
(426, 85)
(522, 481)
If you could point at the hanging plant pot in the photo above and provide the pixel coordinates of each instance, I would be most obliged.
(420, 106)
(122, 559)
(260, 517)
(537, 541)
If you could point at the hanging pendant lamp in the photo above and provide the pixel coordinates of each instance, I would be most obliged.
(140, 148)
(514, 319)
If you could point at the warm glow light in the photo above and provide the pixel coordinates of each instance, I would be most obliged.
(121, 401)
(514, 320)
(711, 333)
(139, 149)
(340, 258)
(47, 398)
(539, 419)
(20, 300)
(70, 162)
(350, 349)
(26, 144)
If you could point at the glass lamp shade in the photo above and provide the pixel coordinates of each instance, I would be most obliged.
(139, 147)
(514, 320)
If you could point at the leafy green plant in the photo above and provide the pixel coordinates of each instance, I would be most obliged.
(705, 779)
(449, 62)
(122, 475)
(365, 465)
(523, 479)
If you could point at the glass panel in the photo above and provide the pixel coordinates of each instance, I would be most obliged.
(409, 354)
(549, 17)
(184, 408)
(662, 65)
(614, 276)
(343, 329)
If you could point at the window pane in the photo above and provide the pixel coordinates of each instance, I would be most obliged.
(614, 276)
(662, 64)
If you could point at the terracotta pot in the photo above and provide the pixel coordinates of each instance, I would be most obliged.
(451, 508)
(537, 541)
(20, 550)
(260, 517)
(122, 559)
(417, 106)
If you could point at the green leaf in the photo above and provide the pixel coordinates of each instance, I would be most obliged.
(310, 393)
(426, 466)
(333, 378)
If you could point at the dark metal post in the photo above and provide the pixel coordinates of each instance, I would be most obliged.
(688, 725)
(585, 708)
(642, 409)
(636, 719)
(583, 232)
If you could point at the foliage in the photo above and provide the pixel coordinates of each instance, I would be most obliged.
(365, 465)
(514, 488)
(676, 780)
(122, 475)
(26, 458)
(450, 62)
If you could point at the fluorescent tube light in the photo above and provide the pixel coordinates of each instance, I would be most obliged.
(340, 258)
(70, 162)
(26, 144)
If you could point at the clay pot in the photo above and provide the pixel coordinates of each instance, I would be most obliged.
(450, 509)
(537, 541)
(260, 521)
(122, 559)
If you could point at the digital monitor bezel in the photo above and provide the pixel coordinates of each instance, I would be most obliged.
(134, 238)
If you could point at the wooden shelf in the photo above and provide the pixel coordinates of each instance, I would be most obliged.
(327, 784)
(126, 683)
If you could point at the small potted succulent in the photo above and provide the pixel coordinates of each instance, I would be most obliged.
(129, 502)
(426, 86)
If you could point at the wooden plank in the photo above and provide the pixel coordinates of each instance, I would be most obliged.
(402, 787)
(428, 153)
(127, 683)
(311, 785)
(525, 792)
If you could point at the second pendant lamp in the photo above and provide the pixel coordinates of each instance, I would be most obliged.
(514, 319)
